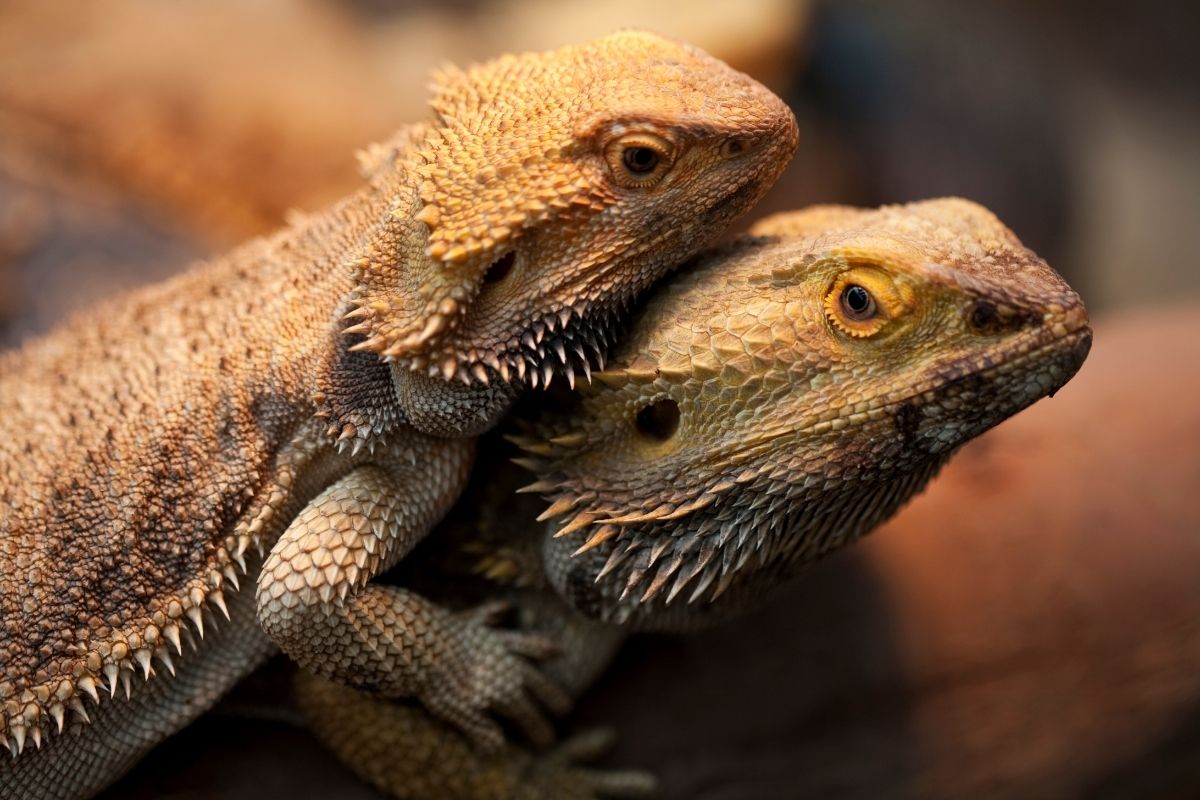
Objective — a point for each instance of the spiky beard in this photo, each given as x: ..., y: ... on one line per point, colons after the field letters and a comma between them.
x: 741, y: 546
x: 567, y: 344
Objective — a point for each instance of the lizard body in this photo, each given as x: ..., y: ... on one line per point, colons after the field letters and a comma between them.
x: 314, y: 393
x: 773, y: 402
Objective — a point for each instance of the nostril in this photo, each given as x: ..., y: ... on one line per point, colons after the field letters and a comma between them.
x: 990, y: 319
x: 1077, y: 318
x: 733, y: 147
x: 500, y: 268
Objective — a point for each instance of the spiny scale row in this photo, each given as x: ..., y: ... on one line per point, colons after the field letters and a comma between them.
x: 530, y: 360
x: 774, y: 525
x: 701, y: 562
x: 697, y: 549
x: 353, y: 437
x: 29, y: 715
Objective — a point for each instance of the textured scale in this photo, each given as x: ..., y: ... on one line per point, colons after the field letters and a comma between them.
x: 151, y: 448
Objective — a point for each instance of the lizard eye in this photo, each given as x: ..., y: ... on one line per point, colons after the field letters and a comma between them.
x: 659, y: 420
x: 639, y: 160
x: 857, y: 303
x: 863, y: 301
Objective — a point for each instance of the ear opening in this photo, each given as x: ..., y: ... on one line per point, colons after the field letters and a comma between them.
x: 659, y: 420
x: 500, y: 268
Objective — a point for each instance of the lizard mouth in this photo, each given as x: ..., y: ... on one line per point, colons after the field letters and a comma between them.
x: 1071, y: 347
x: 565, y: 345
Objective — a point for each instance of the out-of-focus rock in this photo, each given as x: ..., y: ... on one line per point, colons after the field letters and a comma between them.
x: 221, y: 114
x: 21, y: 224
x: 760, y: 37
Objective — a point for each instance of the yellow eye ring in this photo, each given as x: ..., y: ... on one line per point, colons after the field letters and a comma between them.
x: 860, y: 302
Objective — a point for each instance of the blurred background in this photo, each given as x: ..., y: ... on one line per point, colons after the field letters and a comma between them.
x: 1029, y: 627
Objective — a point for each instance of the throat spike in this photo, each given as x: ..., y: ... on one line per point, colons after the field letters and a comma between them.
x: 142, y: 656
x: 197, y: 617
x: 87, y: 684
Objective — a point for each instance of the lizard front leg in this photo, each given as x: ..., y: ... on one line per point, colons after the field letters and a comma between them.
x: 409, y: 754
x: 315, y: 600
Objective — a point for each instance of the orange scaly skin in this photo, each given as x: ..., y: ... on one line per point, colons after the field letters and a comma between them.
x: 749, y: 424
x: 312, y: 395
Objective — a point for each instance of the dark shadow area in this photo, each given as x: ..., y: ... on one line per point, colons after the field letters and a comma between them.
x: 1170, y: 768
x: 782, y: 703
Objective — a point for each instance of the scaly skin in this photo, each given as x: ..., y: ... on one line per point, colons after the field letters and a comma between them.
x: 749, y: 424
x: 312, y: 394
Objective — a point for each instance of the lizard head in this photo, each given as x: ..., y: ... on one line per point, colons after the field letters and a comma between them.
x: 786, y: 394
x: 551, y: 189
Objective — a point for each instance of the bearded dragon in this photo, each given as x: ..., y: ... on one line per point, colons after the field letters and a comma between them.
x: 313, y: 394
x: 771, y: 404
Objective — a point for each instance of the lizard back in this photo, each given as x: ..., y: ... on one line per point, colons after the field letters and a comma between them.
x: 137, y: 440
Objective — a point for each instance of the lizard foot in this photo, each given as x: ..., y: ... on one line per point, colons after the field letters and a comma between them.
x: 499, y: 675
